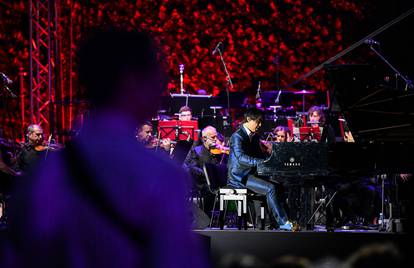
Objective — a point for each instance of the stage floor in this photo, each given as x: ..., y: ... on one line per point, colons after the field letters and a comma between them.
x: 314, y: 245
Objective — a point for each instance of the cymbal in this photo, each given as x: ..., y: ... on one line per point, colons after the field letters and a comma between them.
x: 305, y: 92
x: 273, y: 107
x: 313, y: 123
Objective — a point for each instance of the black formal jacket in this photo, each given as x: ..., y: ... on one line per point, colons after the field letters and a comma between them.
x: 195, y: 160
x: 245, y: 155
x: 28, y: 158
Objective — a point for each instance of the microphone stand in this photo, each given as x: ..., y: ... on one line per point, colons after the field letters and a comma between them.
x: 408, y: 82
x: 228, y: 78
x: 6, y: 82
x: 352, y: 47
x: 6, y: 88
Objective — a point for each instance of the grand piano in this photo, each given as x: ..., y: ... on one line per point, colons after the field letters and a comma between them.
x: 381, y: 119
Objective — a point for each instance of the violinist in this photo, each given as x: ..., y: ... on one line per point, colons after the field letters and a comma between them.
x: 33, y: 150
x: 144, y: 135
x: 211, y: 151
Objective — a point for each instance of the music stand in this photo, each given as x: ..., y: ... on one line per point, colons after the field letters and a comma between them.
x: 310, y: 134
x: 178, y: 130
x: 198, y: 103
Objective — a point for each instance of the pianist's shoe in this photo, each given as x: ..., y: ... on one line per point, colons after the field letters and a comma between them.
x: 288, y: 226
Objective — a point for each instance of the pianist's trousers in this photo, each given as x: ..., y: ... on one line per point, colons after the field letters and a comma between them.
x: 268, y: 189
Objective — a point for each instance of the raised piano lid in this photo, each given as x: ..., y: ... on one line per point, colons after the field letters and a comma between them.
x: 374, y: 111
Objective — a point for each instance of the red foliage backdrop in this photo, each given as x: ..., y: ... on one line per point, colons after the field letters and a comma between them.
x: 262, y: 40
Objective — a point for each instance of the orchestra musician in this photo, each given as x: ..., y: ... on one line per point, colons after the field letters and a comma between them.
x: 144, y: 135
x: 246, y: 153
x: 282, y: 134
x: 211, y: 151
x: 185, y: 113
x: 33, y: 150
x: 316, y: 119
x: 182, y: 147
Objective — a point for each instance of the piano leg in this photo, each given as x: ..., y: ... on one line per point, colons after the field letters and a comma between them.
x: 294, y: 202
x: 329, y: 212
x: 307, y: 201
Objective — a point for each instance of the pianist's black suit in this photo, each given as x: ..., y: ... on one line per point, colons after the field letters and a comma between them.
x: 245, y: 155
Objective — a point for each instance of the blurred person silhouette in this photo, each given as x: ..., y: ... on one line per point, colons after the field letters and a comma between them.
x: 107, y: 201
x: 290, y: 261
x: 240, y: 260
x: 373, y: 255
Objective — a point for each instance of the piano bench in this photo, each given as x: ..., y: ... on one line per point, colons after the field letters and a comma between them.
x: 239, y: 196
x: 242, y: 197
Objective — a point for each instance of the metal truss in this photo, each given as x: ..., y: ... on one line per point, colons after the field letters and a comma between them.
x: 51, y: 67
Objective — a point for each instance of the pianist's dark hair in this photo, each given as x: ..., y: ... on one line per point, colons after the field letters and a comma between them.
x: 253, y: 113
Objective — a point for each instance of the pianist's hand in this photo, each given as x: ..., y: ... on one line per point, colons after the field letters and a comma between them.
x: 348, y: 137
x: 266, y: 146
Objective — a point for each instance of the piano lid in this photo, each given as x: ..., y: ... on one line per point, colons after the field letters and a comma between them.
x: 374, y: 110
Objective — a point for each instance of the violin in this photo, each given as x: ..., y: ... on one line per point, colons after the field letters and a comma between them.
x: 220, y: 150
x: 166, y: 144
x: 51, y: 147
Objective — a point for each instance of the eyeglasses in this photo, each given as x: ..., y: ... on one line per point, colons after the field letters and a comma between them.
x: 214, y: 137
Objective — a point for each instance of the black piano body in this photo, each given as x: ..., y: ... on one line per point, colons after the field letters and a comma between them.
x: 290, y: 161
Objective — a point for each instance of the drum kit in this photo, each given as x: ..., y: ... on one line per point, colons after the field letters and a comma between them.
x: 277, y: 106
x: 289, y: 116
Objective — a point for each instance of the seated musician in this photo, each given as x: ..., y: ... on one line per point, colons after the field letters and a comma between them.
x: 211, y: 151
x: 316, y: 119
x: 32, y: 151
x: 183, y: 146
x: 351, y: 196
x: 246, y: 154
x: 185, y: 113
x: 144, y: 135
x: 282, y: 134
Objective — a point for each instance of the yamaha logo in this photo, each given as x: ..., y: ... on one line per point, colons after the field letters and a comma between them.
x: 292, y: 163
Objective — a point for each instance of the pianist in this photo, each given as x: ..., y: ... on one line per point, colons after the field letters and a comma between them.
x: 245, y: 155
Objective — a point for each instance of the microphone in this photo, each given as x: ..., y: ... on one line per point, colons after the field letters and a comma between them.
x: 278, y: 97
x: 371, y: 42
x: 258, y: 91
x: 217, y: 48
x: 6, y: 79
